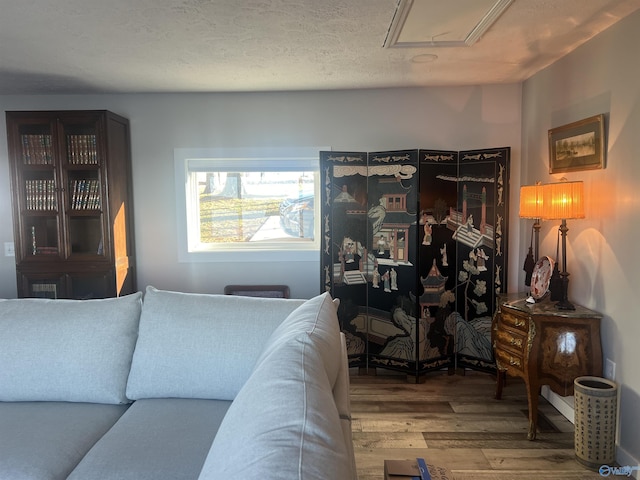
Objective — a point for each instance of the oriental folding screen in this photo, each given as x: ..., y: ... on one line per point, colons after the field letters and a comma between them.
x: 414, y: 244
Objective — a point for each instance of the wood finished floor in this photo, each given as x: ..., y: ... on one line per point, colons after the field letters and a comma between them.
x: 455, y: 421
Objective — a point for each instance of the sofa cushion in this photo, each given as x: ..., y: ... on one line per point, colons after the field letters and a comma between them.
x: 200, y: 346
x: 46, y: 440
x: 67, y: 350
x: 283, y: 421
x: 156, y: 439
x: 295, y: 429
x: 317, y: 317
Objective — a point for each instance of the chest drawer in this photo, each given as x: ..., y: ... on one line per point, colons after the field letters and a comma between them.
x: 506, y: 360
x: 509, y: 339
x: 517, y: 322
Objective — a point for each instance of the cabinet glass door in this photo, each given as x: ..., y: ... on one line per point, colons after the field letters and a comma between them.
x: 38, y: 191
x: 82, y: 174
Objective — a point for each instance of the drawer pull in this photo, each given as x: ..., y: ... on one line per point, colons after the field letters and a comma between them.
x: 514, y: 362
x: 516, y: 341
x: 519, y: 322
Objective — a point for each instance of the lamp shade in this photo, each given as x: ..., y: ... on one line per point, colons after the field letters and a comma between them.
x: 531, y: 201
x: 562, y: 200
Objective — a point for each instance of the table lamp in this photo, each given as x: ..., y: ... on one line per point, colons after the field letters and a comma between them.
x: 531, y: 207
x: 562, y: 201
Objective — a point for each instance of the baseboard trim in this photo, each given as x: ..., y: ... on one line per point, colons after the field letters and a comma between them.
x: 625, y: 459
x: 563, y: 404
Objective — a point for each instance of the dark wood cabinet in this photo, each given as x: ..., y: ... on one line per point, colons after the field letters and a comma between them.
x: 545, y: 346
x: 72, y: 210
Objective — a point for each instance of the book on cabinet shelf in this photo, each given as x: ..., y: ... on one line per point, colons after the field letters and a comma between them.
x: 82, y: 149
x: 41, y: 194
x: 85, y: 194
x: 36, y: 149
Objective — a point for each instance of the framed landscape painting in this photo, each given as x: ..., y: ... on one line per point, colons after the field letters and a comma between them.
x: 577, y: 146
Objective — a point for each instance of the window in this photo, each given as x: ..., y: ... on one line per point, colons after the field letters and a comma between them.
x: 247, y: 204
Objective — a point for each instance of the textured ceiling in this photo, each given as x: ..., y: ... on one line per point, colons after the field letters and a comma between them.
x: 96, y: 46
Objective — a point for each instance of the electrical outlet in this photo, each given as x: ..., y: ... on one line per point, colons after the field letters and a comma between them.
x: 610, y: 369
x: 9, y: 249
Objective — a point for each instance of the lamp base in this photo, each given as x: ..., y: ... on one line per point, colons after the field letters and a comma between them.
x: 565, y: 305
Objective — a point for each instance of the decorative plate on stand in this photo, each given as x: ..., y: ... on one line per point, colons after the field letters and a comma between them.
x: 541, y: 277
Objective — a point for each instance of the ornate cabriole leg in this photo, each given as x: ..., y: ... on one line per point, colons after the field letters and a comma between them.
x: 501, y: 377
x: 533, y: 391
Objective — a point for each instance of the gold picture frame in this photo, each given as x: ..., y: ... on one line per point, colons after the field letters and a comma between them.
x: 577, y: 146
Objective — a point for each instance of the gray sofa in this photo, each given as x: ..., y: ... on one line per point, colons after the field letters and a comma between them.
x: 173, y: 386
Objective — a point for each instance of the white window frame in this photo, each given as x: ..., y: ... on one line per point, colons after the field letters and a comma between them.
x: 187, y: 160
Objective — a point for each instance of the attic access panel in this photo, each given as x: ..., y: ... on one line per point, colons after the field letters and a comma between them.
x: 433, y: 23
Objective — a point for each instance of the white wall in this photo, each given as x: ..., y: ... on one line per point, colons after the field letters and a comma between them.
x: 365, y: 120
x: 603, y: 76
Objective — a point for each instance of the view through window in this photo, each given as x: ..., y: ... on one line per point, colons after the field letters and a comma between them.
x: 255, y: 206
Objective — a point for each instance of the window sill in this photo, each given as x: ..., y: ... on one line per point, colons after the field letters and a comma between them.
x: 235, y: 256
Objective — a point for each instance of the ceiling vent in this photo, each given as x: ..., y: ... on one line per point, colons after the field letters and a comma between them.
x: 437, y: 23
